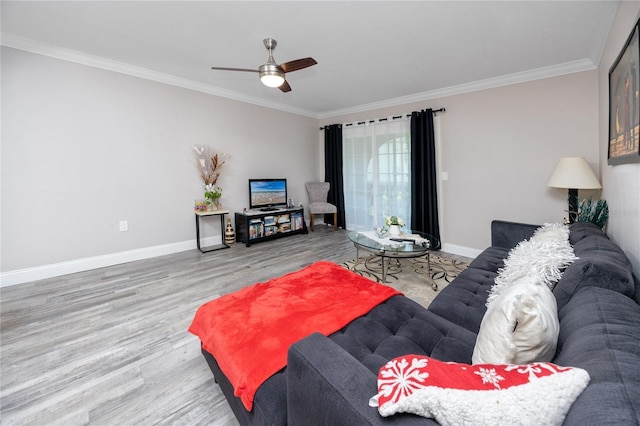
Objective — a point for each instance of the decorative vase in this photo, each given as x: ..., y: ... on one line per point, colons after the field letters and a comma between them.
x: 229, y: 235
x: 394, y: 230
x: 212, y: 204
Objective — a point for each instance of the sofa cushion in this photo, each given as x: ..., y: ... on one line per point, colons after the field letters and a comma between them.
x: 600, y: 332
x: 400, y: 326
x: 464, y: 303
x: 520, y: 326
x: 491, y: 259
x: 580, y: 230
x: 328, y: 386
x: 601, y: 264
x: 506, y: 235
x: 601, y: 246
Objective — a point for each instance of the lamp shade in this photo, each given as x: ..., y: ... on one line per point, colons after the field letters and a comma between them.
x: 575, y: 173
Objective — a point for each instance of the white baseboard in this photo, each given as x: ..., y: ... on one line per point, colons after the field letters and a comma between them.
x: 461, y: 250
x: 20, y: 276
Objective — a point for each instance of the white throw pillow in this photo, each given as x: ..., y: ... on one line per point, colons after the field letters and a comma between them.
x: 520, y: 326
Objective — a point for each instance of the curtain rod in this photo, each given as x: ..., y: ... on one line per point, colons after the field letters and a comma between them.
x: 395, y: 117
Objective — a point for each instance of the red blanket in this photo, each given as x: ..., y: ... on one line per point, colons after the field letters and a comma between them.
x: 249, y: 332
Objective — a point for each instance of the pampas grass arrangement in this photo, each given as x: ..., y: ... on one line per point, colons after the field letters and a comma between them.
x: 208, y: 164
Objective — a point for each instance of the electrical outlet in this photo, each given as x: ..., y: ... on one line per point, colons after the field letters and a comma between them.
x: 124, y: 225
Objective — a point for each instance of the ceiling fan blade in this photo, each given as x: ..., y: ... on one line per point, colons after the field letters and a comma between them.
x: 233, y: 69
x: 285, y: 87
x: 298, y: 64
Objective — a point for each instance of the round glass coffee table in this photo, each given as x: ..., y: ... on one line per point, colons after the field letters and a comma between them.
x: 406, y: 245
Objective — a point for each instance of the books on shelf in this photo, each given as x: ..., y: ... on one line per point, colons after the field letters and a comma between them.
x: 256, y: 230
x: 297, y: 221
x: 285, y: 227
x: 270, y: 230
x: 283, y: 218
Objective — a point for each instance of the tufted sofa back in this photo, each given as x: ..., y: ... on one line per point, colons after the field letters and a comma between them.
x: 601, y: 263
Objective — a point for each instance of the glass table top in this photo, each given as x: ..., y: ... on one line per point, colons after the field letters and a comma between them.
x: 407, y: 244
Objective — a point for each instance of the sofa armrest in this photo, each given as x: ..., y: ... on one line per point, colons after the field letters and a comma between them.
x: 325, y: 383
x: 507, y: 235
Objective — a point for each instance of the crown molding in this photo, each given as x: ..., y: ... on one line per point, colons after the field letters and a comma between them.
x: 490, y: 83
x: 16, y: 42
x: 32, y: 46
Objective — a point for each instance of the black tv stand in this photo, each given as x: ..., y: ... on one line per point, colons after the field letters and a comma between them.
x: 268, y: 209
x: 255, y: 226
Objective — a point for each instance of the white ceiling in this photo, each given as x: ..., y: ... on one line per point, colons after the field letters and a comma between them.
x: 370, y: 54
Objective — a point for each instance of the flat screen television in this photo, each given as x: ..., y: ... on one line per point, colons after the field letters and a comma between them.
x: 267, y: 194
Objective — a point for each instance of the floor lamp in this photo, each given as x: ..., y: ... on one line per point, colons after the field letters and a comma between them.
x: 573, y: 173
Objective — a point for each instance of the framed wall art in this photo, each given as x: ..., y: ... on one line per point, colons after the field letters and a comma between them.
x: 624, y: 106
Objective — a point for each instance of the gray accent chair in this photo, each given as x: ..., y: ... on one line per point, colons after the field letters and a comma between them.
x: 317, y: 192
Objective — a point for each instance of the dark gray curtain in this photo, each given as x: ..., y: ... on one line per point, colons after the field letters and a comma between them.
x: 333, y: 171
x: 424, y: 194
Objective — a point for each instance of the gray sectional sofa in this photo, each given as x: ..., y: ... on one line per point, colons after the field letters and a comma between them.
x: 329, y: 380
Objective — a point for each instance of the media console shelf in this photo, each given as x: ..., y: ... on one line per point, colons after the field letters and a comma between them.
x: 255, y: 226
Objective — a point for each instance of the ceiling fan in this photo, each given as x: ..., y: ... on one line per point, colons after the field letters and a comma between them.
x: 272, y: 74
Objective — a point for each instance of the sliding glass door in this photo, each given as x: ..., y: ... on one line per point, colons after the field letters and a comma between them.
x: 377, y: 173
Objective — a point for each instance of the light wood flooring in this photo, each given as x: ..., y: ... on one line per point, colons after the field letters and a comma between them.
x: 111, y: 347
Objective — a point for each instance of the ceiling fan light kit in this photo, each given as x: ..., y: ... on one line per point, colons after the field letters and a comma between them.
x: 272, y: 74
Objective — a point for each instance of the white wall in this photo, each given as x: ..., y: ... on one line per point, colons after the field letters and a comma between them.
x: 83, y: 148
x: 499, y: 147
x: 621, y: 184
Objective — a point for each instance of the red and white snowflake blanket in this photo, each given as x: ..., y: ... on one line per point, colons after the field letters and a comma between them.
x: 490, y: 394
x: 249, y: 332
